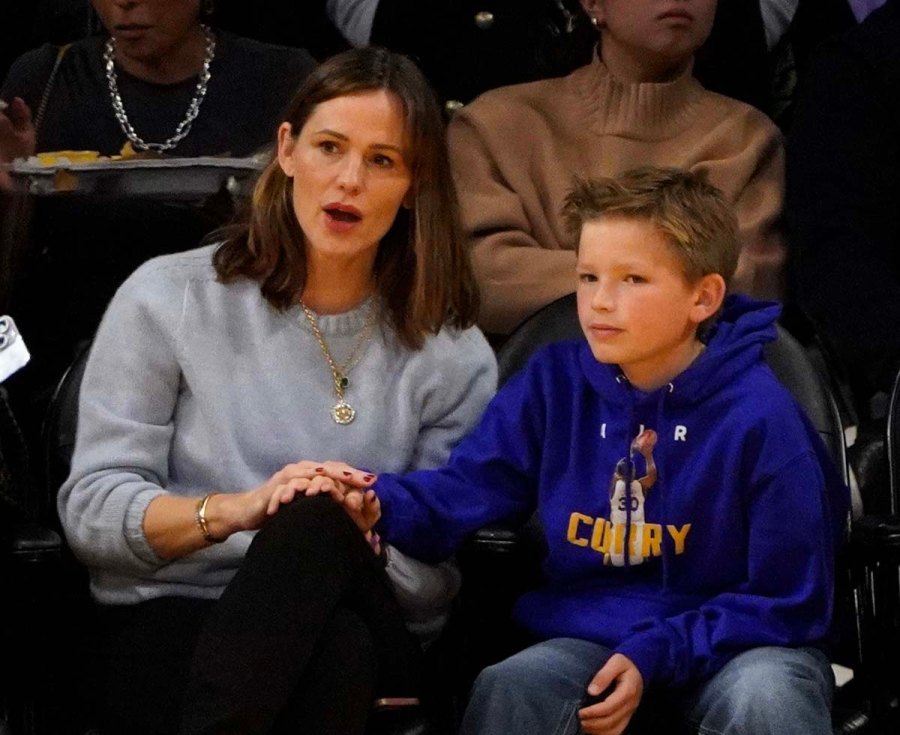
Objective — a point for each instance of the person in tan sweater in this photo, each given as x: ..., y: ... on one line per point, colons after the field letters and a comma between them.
x: 515, y: 151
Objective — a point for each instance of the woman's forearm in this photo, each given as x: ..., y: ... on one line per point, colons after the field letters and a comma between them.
x: 172, y: 528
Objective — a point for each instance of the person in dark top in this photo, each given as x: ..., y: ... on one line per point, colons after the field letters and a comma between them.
x: 843, y: 191
x: 163, y: 82
x: 174, y: 86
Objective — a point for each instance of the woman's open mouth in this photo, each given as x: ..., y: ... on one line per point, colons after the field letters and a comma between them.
x: 341, y: 217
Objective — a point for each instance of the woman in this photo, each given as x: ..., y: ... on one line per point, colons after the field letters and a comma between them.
x: 334, y: 319
x: 160, y: 79
x: 514, y: 152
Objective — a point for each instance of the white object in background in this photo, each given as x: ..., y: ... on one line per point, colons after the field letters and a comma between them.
x: 842, y: 675
x: 13, y: 353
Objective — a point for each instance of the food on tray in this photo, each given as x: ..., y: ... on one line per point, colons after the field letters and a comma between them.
x: 52, y: 158
x: 64, y: 157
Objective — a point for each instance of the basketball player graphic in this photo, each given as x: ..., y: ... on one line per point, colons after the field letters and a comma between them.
x: 620, y: 500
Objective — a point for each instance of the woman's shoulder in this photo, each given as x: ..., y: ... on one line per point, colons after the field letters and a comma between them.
x: 165, y: 274
x: 32, y: 67
x: 454, y: 348
x: 29, y: 73
x: 451, y: 336
x: 746, y: 121
x: 36, y: 58
x: 521, y: 104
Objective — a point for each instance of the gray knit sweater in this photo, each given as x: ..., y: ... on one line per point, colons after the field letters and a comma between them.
x: 193, y: 386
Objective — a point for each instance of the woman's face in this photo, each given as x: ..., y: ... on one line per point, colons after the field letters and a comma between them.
x: 351, y: 171
x: 148, y: 30
x: 661, y: 31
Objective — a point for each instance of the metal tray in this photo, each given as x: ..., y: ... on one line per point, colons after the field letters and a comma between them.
x: 150, y: 177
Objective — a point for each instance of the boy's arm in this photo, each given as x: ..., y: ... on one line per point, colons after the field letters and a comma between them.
x: 786, y: 599
x: 490, y: 476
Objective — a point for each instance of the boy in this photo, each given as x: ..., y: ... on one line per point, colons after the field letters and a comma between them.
x: 690, y: 510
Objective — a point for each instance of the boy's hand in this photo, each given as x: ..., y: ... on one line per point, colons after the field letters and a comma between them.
x: 612, y: 715
x: 364, y: 508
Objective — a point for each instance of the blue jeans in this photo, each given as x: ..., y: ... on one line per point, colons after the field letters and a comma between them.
x: 765, y: 690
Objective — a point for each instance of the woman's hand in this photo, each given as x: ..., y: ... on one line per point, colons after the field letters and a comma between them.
x: 170, y: 521
x: 311, y: 478
x: 17, y: 135
x: 349, y: 478
x: 345, y: 484
x: 612, y: 715
x: 247, y: 511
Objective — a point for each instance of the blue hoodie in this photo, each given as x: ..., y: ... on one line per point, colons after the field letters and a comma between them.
x: 716, y: 484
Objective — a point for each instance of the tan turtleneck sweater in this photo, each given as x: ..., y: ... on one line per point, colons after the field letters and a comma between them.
x: 514, y: 152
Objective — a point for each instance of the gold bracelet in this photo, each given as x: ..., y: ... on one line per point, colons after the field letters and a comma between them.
x: 200, y: 517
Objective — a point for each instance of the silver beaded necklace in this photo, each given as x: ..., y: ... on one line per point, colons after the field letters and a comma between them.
x: 184, y: 127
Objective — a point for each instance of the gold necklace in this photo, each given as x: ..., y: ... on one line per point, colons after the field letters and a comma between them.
x: 342, y: 412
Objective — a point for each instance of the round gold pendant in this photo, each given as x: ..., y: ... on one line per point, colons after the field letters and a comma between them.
x: 343, y: 412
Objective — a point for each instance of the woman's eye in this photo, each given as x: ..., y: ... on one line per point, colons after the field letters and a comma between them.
x: 633, y: 278
x: 328, y: 146
x: 587, y: 277
x: 382, y: 161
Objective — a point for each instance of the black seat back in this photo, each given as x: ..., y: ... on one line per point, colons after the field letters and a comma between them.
x: 893, y: 447
x: 60, y: 426
x: 556, y: 322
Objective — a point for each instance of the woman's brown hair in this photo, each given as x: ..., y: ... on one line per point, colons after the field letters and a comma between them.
x: 422, y: 269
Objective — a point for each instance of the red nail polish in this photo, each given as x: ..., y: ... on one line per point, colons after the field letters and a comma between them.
x: 320, y: 469
x: 348, y: 474
x: 368, y: 477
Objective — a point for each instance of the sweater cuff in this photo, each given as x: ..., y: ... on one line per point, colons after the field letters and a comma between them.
x: 134, y: 526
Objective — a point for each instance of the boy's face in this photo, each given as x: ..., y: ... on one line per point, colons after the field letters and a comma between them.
x: 636, y: 306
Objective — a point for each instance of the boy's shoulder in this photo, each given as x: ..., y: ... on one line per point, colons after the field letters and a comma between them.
x: 758, y: 403
x: 559, y: 358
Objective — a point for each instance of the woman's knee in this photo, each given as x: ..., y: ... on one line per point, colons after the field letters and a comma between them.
x: 307, y: 520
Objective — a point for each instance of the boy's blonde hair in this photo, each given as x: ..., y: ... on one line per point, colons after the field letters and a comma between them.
x: 692, y: 213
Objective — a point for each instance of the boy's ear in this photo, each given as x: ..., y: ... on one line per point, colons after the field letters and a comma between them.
x: 286, y: 143
x: 709, y: 293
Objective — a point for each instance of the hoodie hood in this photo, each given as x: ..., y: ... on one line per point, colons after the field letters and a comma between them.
x: 733, y: 345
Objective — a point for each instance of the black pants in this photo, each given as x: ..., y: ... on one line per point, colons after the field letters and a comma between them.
x: 307, y: 634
